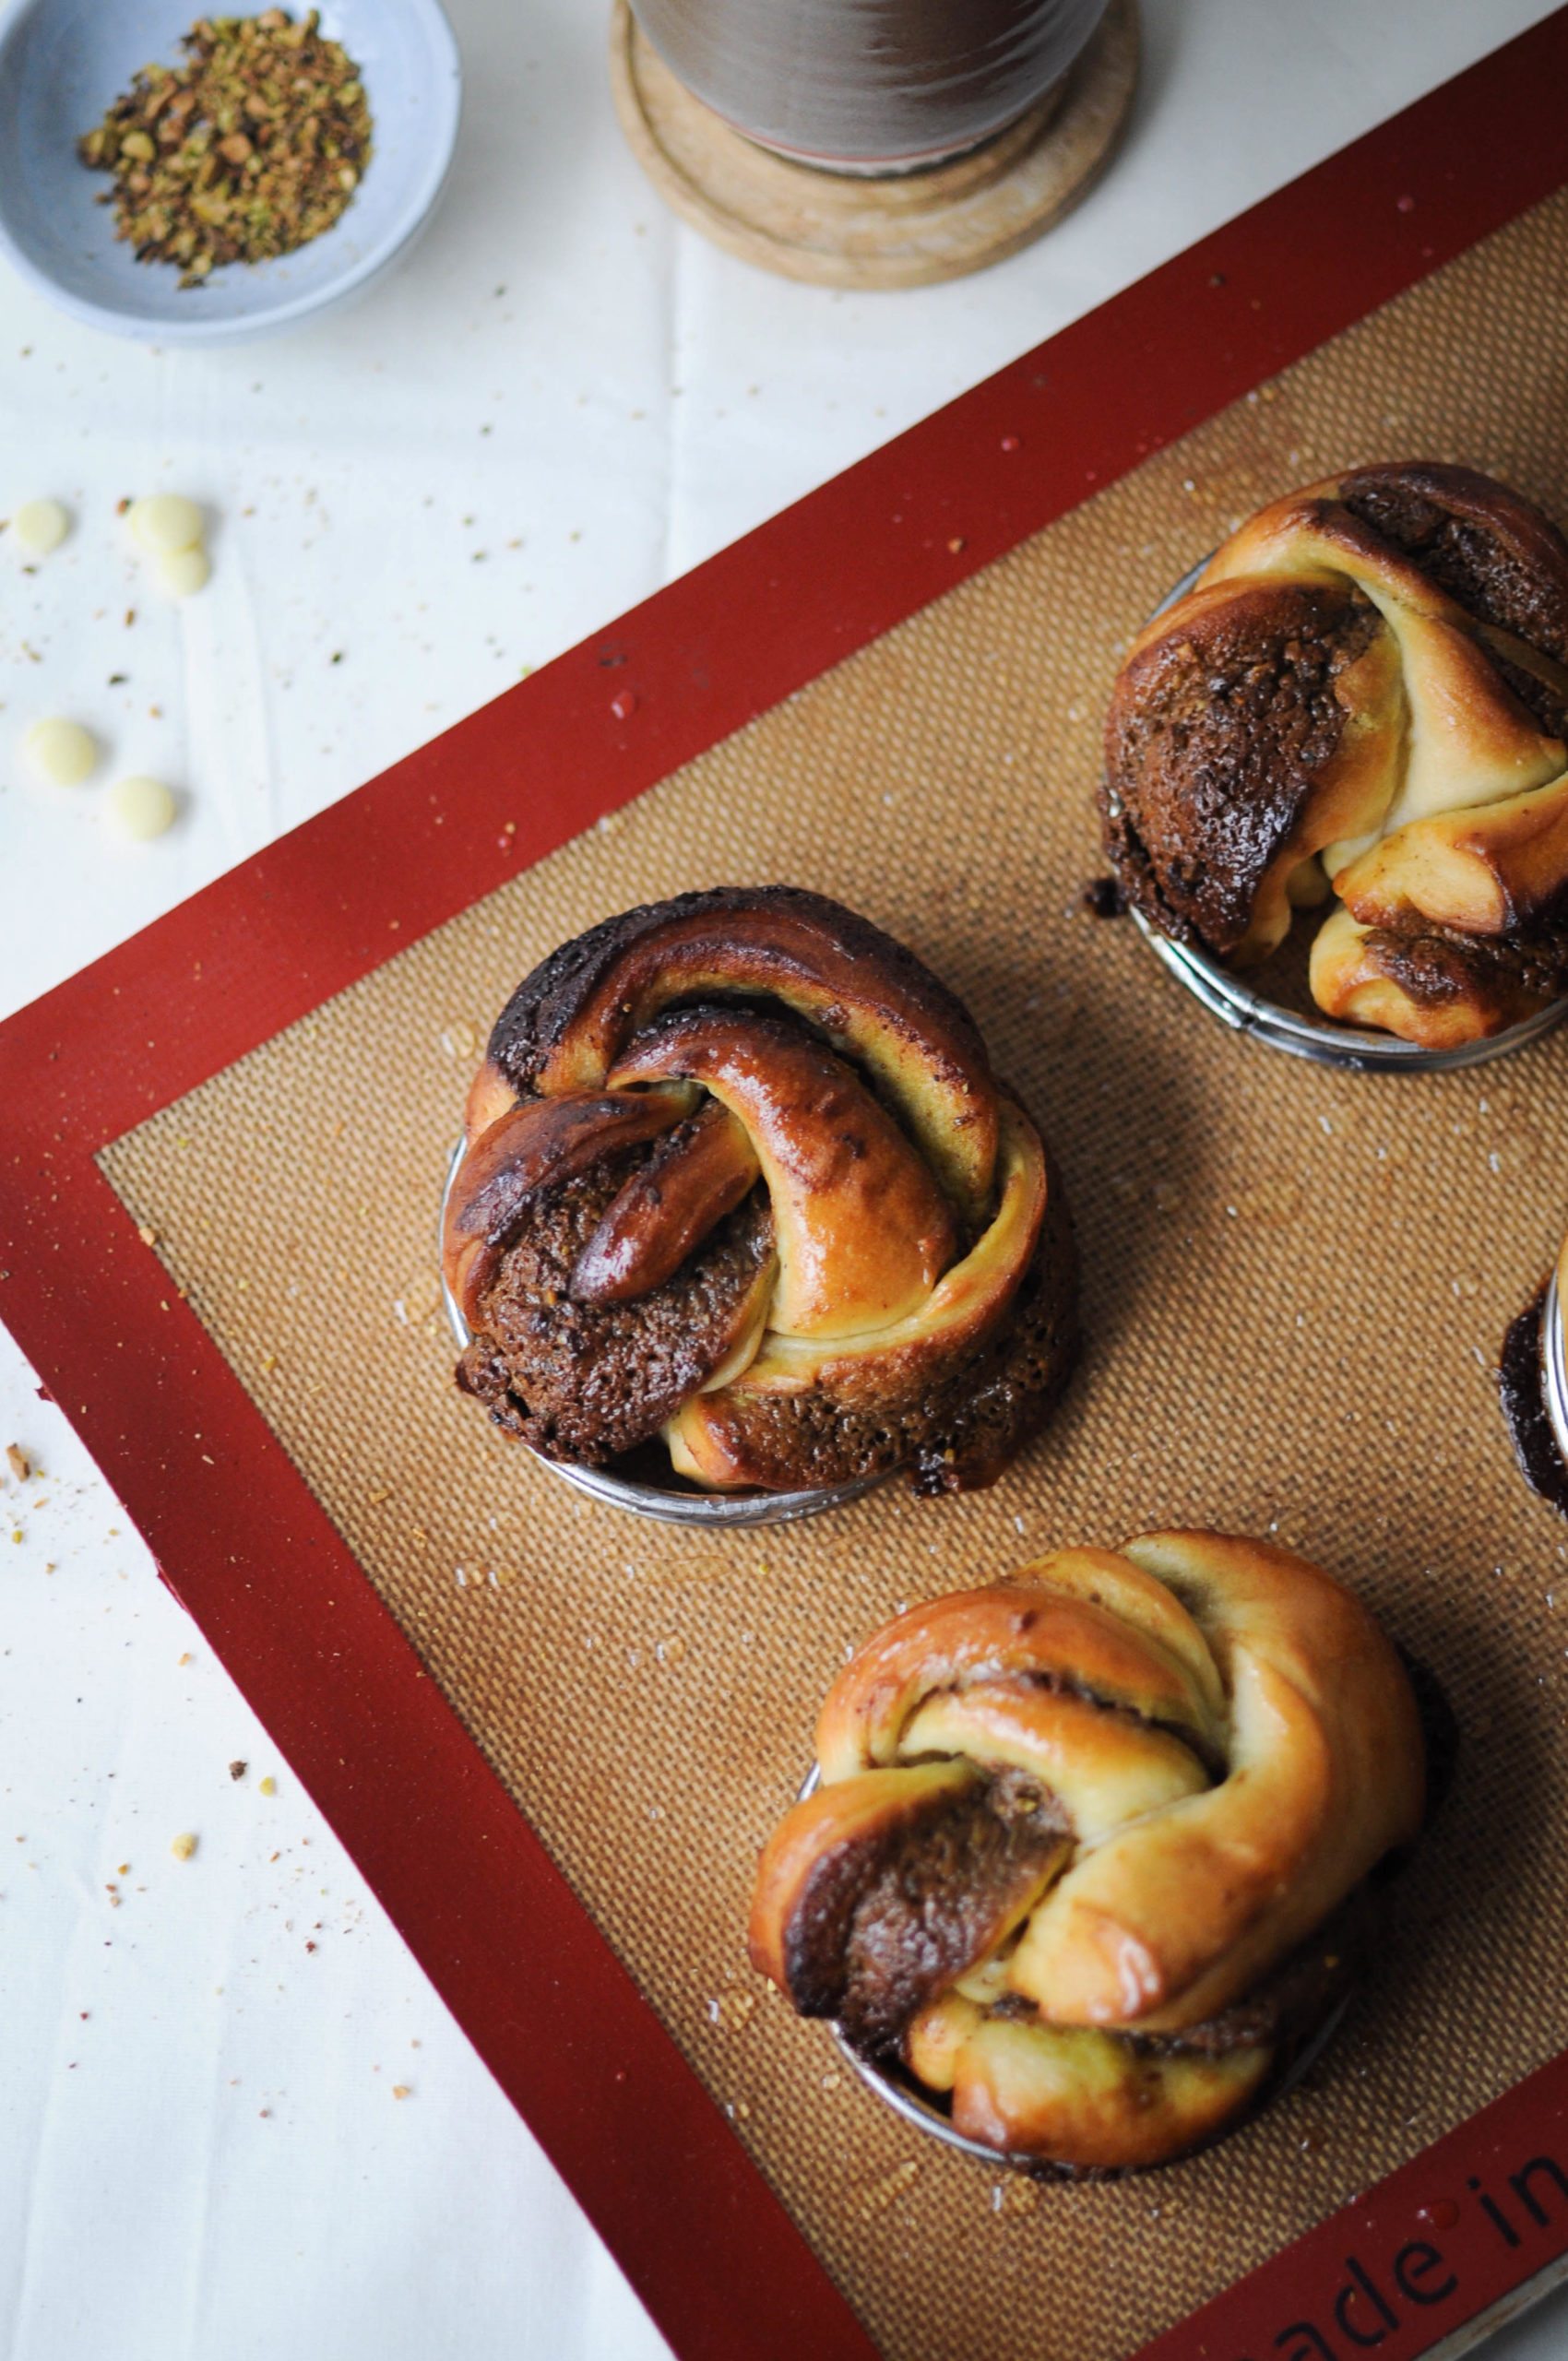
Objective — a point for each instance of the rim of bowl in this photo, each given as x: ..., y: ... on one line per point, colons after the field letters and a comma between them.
x: 666, y: 1503
x: 1318, y: 1039
x: 445, y: 90
x: 897, y: 2089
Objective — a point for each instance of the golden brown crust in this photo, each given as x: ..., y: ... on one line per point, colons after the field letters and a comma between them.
x: 1370, y: 671
x: 1231, y: 1746
x: 869, y: 997
x: 1489, y: 547
x: 909, y: 1380
x: 863, y: 1230
x: 859, y: 1862
x: 1436, y: 987
x: 824, y: 1826
x: 1170, y: 1921
x: 1048, y: 1635
x: 918, y: 1306
x: 952, y: 1396
x: 667, y: 1208
x: 539, y: 1145
x: 1089, y: 2100
x: 1247, y: 729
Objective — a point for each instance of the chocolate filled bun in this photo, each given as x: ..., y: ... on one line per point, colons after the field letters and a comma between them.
x: 1094, y: 1855
x: 738, y: 1176
x: 1364, y: 693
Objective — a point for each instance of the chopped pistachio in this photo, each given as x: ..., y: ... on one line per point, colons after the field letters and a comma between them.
x: 248, y: 149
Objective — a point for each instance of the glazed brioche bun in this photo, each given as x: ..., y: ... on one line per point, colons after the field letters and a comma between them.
x: 739, y: 1179
x: 1086, y: 1847
x: 1366, y: 690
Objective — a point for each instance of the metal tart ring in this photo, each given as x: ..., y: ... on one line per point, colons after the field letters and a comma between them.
x: 671, y: 1504
x: 897, y: 2089
x: 1554, y: 1366
x: 1319, y: 1040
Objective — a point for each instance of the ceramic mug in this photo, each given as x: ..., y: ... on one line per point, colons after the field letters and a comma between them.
x: 869, y: 86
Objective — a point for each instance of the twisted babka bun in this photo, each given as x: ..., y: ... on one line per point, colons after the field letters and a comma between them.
x: 1366, y: 689
x: 738, y: 1174
x: 1090, y: 1852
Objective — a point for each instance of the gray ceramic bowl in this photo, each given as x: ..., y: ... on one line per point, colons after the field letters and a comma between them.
x: 674, y: 1502
x: 64, y: 61
x: 1319, y: 1038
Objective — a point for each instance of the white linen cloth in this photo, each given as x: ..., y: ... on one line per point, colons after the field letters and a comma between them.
x: 563, y: 400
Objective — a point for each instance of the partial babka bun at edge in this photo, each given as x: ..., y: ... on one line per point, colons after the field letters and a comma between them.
x: 1532, y: 1384
x: 1094, y: 1854
x: 738, y: 1178
x: 1368, y: 685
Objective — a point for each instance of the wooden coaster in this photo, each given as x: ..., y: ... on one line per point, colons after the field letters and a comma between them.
x: 910, y: 230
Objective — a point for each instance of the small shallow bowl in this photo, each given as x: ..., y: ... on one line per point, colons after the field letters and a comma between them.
x: 63, y: 62
x: 675, y: 1503
x: 1316, y: 1038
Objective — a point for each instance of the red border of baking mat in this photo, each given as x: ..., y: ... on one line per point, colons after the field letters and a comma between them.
x: 528, y: 1975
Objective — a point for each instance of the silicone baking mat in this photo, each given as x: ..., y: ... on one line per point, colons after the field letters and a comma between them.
x: 1295, y: 1282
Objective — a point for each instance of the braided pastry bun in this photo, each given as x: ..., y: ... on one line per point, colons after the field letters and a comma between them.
x: 738, y: 1174
x: 1366, y: 690
x: 1090, y: 1851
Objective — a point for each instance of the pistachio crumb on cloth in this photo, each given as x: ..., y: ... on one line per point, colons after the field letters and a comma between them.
x: 250, y: 148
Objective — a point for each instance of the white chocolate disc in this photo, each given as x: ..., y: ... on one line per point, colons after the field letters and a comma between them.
x: 139, y: 808
x: 182, y: 572
x: 41, y: 526
x: 61, y: 752
x: 166, y: 523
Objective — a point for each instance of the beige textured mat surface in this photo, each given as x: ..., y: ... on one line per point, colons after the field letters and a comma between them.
x: 1296, y: 1282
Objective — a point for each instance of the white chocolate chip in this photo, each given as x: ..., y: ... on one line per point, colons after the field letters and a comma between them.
x: 41, y: 526
x: 184, y: 1846
x: 140, y: 808
x: 61, y: 752
x: 166, y: 523
x: 182, y: 572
